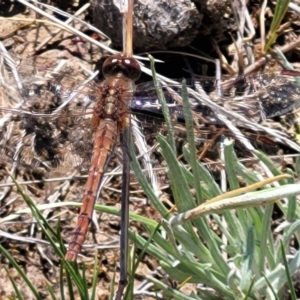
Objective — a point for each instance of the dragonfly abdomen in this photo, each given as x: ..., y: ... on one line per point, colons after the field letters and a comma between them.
x: 105, y: 139
x: 110, y: 116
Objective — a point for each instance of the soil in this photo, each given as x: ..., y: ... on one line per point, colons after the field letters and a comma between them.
x: 22, y: 33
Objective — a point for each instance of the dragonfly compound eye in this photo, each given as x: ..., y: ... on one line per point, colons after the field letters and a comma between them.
x: 120, y: 64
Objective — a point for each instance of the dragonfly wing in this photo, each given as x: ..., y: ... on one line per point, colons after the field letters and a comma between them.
x: 45, y: 123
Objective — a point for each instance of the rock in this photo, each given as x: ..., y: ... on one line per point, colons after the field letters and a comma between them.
x: 158, y: 24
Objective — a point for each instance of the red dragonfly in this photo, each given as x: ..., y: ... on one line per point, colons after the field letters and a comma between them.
x: 110, y: 117
x: 46, y: 133
x: 54, y: 128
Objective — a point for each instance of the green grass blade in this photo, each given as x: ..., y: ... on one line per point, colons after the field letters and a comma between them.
x: 147, y: 188
x: 95, y: 275
x: 274, y: 294
x: 191, y: 143
x: 112, y: 287
x: 164, y: 106
x: 288, y: 276
x: 264, y: 235
x: 231, y: 162
x: 51, y: 292
x: 85, y: 288
x: 280, y: 11
x: 21, y: 272
x: 61, y: 284
x: 247, y: 260
x: 19, y: 296
x: 182, y: 196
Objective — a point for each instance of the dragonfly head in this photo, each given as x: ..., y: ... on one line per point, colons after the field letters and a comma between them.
x: 120, y: 64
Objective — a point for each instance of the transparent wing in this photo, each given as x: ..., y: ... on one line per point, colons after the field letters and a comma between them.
x: 46, y: 112
x: 45, y: 117
x: 256, y: 97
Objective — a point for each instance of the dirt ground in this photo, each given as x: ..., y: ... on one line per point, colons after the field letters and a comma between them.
x: 21, y: 32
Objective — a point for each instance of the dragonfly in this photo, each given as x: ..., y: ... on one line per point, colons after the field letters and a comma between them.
x: 109, y: 118
x: 78, y: 122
